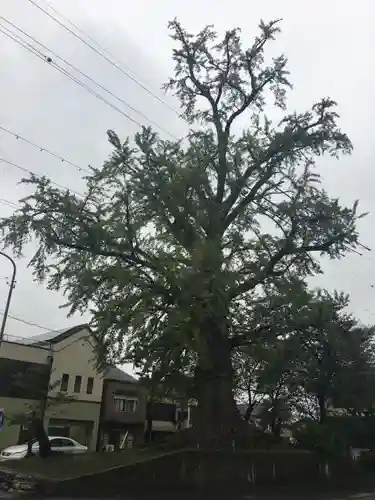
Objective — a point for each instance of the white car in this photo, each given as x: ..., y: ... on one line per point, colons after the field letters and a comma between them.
x: 60, y: 444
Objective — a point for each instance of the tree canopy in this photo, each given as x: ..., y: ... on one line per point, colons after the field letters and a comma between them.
x: 173, y: 243
x: 318, y: 365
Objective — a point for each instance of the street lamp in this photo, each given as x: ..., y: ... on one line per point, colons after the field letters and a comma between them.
x: 12, y: 283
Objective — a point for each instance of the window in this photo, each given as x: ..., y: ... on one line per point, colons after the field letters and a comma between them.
x: 77, y: 383
x: 90, y: 385
x: 61, y: 443
x: 21, y: 379
x: 57, y: 430
x: 125, y: 404
x: 55, y: 443
x: 64, y: 383
x: 66, y: 443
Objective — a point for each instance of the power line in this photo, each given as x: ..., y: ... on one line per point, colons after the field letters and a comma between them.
x: 24, y: 321
x: 265, y: 210
x: 98, y: 52
x: 104, y: 49
x: 44, y: 58
x: 66, y: 73
x: 43, y: 149
x: 9, y: 203
x: 312, y: 213
x: 85, y: 75
x: 23, y: 169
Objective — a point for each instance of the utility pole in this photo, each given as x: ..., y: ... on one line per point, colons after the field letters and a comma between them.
x: 9, y: 298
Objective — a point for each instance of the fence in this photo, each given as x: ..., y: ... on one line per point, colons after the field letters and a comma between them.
x: 224, y: 472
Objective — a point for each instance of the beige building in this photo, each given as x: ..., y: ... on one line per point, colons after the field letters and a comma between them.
x: 65, y: 363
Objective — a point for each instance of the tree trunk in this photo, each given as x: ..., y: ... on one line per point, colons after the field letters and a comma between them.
x: 322, y: 408
x: 218, y: 423
x: 149, y: 419
x: 29, y: 443
x: 276, y: 426
x: 41, y: 436
x: 250, y: 405
x: 249, y: 411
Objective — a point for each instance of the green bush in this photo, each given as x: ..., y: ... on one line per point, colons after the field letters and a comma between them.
x: 323, y: 439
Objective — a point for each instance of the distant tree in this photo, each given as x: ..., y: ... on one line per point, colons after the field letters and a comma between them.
x: 325, y: 440
x: 266, y: 370
x: 354, y: 391
x: 324, y: 348
x: 170, y: 239
x: 319, y: 357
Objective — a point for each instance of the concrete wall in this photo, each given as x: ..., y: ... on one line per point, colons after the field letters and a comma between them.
x: 14, y: 350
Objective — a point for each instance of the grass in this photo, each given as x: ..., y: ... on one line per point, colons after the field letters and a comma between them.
x: 67, y: 466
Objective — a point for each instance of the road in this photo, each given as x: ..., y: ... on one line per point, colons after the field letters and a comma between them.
x: 357, y: 496
x: 351, y: 496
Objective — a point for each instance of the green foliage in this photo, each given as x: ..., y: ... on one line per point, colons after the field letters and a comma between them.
x: 358, y: 431
x: 168, y: 248
x: 318, y: 358
x: 323, y: 439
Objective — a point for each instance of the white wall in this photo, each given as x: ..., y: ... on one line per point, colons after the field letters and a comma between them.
x: 13, y: 350
x: 76, y: 356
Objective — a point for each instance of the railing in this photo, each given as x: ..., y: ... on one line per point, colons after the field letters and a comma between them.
x: 27, y: 341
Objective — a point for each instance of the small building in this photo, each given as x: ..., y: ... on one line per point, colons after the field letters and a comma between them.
x: 24, y: 376
x: 74, y: 374
x: 167, y: 418
x: 68, y: 385
x: 123, y: 412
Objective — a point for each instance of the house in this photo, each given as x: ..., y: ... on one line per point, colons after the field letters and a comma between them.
x: 123, y: 410
x: 20, y: 361
x: 74, y: 373
x: 167, y: 418
x: 58, y: 372
x: 65, y: 362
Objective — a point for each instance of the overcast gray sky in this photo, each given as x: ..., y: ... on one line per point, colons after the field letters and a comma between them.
x: 330, y: 49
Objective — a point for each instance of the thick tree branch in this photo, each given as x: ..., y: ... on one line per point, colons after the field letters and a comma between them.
x: 283, y: 145
x: 130, y: 258
x: 222, y: 136
x: 286, y: 250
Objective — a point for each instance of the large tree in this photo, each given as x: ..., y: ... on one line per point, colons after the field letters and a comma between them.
x: 172, y: 239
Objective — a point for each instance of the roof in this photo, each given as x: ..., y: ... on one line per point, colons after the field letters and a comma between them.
x: 114, y: 373
x: 53, y: 337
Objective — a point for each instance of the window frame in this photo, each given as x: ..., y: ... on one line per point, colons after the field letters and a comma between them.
x: 64, y: 382
x: 67, y: 440
x: 55, y: 440
x: 77, y: 384
x: 90, y: 385
x: 120, y: 403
